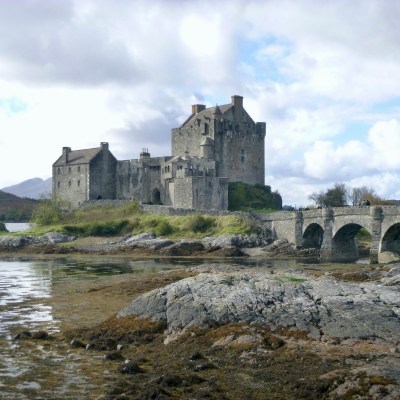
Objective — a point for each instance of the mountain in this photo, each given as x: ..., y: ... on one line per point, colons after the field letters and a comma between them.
x: 32, y: 188
x: 15, y: 209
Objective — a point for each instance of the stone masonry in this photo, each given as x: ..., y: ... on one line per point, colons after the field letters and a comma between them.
x: 213, y: 146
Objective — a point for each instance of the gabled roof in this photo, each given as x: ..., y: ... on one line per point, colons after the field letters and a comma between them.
x: 209, y: 112
x: 79, y: 157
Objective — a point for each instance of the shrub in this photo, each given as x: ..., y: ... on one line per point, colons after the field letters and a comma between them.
x: 241, y: 196
x: 47, y: 212
x: 163, y: 228
x: 98, y: 228
x: 200, y: 223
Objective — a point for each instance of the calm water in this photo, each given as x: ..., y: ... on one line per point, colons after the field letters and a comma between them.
x: 24, y: 288
x: 17, y: 226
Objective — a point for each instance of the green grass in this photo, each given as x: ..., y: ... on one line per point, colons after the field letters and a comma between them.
x: 295, y: 279
x: 128, y: 219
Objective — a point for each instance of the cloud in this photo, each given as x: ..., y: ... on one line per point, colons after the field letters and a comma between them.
x: 85, y: 71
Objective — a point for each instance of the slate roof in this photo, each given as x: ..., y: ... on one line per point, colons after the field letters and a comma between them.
x: 79, y: 157
x: 208, y: 112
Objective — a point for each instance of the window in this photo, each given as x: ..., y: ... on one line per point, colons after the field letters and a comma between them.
x: 69, y: 170
x: 58, y: 185
x: 242, y: 159
x: 69, y: 183
x: 79, y: 183
x: 58, y: 170
x: 79, y: 169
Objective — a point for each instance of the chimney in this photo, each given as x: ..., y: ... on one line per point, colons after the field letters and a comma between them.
x: 65, y: 152
x: 196, y: 108
x: 104, y: 145
x: 237, y: 102
x: 144, y: 154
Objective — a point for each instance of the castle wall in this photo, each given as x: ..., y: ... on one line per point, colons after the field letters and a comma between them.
x: 239, y: 149
x: 71, y: 184
x: 197, y: 192
x: 102, y: 175
x: 141, y: 179
x: 239, y: 142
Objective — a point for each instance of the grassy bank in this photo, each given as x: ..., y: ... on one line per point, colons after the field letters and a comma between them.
x: 129, y: 219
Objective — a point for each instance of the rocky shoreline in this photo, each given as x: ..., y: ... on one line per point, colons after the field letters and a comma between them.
x: 150, y: 244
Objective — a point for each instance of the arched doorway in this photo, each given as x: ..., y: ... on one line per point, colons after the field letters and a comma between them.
x: 156, y: 197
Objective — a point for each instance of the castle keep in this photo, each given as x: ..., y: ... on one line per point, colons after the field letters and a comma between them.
x: 213, y: 146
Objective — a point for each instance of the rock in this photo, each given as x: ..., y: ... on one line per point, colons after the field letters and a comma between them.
x: 240, y: 241
x: 184, y: 248
x: 22, y: 335
x: 12, y: 242
x: 230, y: 251
x: 41, y: 335
x: 130, y: 367
x: 203, y: 367
x: 55, y: 237
x: 112, y: 356
x: 3, y: 227
x: 77, y: 343
x: 319, y: 306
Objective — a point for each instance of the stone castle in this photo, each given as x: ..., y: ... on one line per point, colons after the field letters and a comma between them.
x: 213, y: 146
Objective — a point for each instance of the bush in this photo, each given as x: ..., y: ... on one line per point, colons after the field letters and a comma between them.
x: 163, y: 228
x: 200, y: 223
x: 242, y: 196
x: 98, y: 228
x: 47, y: 212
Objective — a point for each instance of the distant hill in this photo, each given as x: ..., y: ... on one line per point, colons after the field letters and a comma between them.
x: 15, y: 209
x: 32, y: 188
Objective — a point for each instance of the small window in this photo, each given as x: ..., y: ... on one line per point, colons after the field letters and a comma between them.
x: 79, y: 183
x: 69, y: 170
x: 79, y: 169
x: 58, y: 185
x: 69, y: 183
x: 242, y: 159
x: 58, y: 170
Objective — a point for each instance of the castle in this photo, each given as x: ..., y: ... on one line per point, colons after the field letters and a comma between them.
x: 213, y: 146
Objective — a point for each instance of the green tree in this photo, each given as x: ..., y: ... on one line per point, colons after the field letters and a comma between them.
x: 47, y: 212
x: 335, y: 196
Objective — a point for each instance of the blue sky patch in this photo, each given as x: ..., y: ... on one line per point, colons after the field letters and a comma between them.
x: 13, y: 105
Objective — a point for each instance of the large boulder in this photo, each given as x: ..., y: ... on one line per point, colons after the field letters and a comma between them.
x: 320, y: 306
x: 240, y: 241
x: 184, y: 248
x: 3, y: 227
x: 12, y: 242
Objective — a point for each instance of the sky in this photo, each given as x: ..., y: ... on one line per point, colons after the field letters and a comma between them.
x: 323, y: 75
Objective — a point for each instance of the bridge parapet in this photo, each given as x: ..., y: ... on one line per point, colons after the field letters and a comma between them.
x: 334, y: 229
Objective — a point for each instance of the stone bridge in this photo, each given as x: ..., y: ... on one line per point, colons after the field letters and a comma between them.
x: 334, y: 231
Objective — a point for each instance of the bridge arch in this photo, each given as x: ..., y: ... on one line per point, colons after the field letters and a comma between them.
x: 313, y: 236
x: 344, y: 242
x: 391, y: 239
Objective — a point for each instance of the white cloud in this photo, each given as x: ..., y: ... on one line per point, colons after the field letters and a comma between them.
x: 91, y: 71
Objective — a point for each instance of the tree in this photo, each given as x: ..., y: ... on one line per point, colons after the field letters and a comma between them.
x: 335, y: 196
x: 48, y: 211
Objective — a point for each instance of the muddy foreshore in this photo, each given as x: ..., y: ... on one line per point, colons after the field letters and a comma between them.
x: 216, y: 348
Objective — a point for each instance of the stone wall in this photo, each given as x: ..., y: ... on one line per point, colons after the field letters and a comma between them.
x: 71, y: 184
x: 102, y: 176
